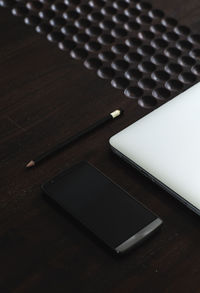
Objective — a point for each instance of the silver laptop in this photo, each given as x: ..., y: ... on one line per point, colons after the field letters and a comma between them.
x: 165, y: 146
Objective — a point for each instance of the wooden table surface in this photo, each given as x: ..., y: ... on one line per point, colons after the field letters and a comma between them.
x: 46, y: 96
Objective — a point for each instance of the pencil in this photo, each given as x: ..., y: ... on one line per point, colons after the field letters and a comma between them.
x: 73, y: 138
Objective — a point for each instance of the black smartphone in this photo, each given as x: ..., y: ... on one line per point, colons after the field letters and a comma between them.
x: 102, y: 206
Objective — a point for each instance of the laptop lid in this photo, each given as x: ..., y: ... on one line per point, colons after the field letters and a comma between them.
x: 166, y: 144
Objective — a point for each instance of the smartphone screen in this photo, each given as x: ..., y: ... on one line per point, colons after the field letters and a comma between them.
x: 102, y: 206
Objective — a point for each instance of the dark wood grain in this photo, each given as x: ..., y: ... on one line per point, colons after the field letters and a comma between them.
x: 45, y: 97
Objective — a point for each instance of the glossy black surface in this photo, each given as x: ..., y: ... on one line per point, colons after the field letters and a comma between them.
x: 99, y: 204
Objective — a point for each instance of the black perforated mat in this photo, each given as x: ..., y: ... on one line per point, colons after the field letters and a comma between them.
x: 140, y: 50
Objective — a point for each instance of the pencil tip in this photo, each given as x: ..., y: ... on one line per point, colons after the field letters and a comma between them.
x: 30, y: 164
